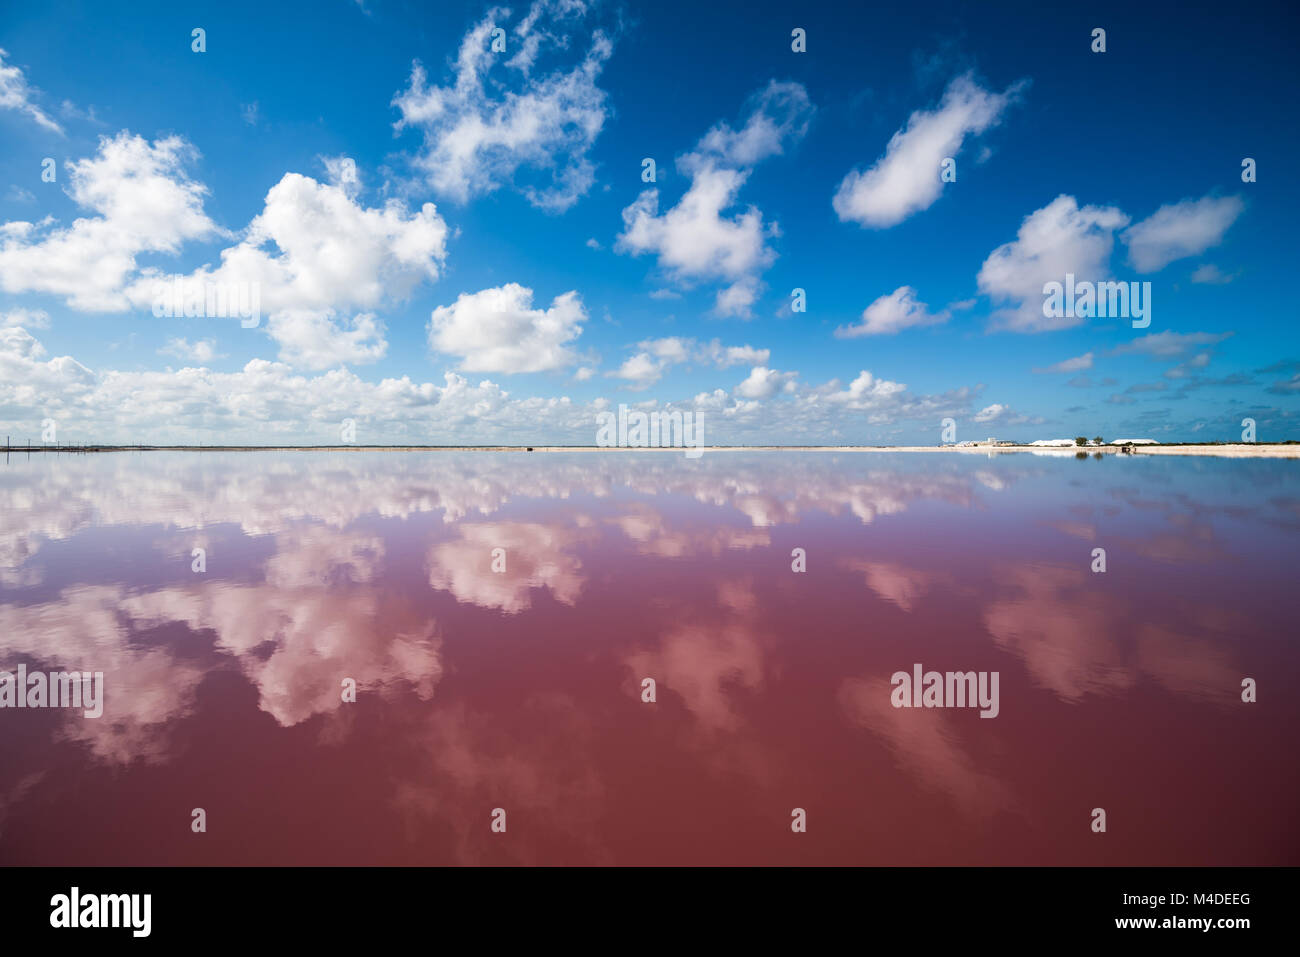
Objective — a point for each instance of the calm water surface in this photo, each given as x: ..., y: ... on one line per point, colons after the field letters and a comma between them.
x: 521, y: 689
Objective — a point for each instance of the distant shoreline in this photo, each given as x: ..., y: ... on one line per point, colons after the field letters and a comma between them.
x: 1236, y: 450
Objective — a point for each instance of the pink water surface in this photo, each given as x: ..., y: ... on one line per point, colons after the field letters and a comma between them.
x: 521, y: 690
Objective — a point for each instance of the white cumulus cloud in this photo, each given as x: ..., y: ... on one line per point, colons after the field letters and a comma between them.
x: 320, y: 340
x: 315, y: 252
x: 15, y: 94
x: 1076, y: 364
x: 726, y: 356
x: 656, y: 355
x: 143, y: 201
x: 906, y: 179
x: 642, y: 370
x: 1060, y: 238
x: 1170, y: 345
x: 1179, y: 230
x: 26, y: 318
x: 868, y: 392
x: 498, y: 330
x: 497, y: 119
x: 1212, y: 275
x: 202, y: 350
x: 699, y: 239
x: 314, y: 247
x: 893, y: 313
x: 763, y: 383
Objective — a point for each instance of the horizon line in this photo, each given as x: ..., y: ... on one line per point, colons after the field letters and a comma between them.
x: 1005, y: 446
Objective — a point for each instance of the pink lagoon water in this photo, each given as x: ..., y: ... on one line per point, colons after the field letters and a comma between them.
x: 522, y: 689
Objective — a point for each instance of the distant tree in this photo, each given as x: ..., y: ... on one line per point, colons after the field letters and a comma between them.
x: 1080, y: 440
x: 1096, y: 440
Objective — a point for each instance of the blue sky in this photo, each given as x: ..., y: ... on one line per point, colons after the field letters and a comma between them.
x: 548, y: 281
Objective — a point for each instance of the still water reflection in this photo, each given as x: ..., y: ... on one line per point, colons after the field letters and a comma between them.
x: 521, y: 687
